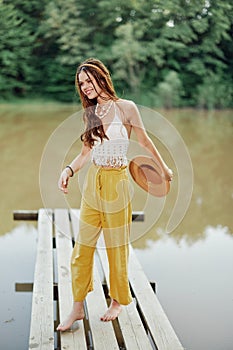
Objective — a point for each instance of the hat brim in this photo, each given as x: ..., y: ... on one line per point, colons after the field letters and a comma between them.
x: 149, y: 176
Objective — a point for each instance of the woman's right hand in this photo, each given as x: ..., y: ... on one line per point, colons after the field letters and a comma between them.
x: 63, y: 181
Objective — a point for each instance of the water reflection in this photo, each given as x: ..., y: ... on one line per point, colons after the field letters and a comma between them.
x: 17, y: 261
x: 24, y: 132
x: 195, y: 287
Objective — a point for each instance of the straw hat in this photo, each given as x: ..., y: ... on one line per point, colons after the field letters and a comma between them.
x: 149, y: 176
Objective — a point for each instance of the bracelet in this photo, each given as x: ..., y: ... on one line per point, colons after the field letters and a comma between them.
x: 72, y: 171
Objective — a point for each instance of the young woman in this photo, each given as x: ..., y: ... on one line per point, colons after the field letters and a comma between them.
x: 105, y: 203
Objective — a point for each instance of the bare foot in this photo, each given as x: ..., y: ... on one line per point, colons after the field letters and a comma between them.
x: 112, y: 312
x: 77, y: 313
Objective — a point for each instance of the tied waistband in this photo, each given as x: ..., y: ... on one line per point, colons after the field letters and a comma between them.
x: 108, y: 168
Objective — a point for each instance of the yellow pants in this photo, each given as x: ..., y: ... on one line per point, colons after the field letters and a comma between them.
x: 105, y: 206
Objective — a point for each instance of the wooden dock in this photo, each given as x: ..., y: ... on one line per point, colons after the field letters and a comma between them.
x: 141, y: 325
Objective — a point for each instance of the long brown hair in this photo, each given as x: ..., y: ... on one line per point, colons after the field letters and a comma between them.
x: 93, y: 125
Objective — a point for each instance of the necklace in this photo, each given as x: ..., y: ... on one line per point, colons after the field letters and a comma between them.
x: 103, y: 110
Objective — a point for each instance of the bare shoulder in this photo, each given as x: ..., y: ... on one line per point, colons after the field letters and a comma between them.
x: 128, y: 108
x: 128, y: 105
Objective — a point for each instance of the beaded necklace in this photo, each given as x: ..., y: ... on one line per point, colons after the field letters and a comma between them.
x: 103, y: 110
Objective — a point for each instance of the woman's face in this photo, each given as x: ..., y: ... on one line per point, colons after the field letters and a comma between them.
x: 88, y: 85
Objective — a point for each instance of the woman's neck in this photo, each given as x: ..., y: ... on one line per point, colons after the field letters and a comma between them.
x: 103, y: 99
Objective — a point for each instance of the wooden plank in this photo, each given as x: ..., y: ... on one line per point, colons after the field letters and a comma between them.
x: 131, y: 326
x: 42, y: 324
x: 138, y: 216
x: 155, y: 318
x: 102, y: 332
x: 69, y: 340
x: 31, y: 215
x: 24, y: 287
x: 42, y: 337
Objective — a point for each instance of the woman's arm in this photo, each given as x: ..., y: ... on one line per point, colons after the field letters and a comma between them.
x: 75, y: 165
x: 144, y: 140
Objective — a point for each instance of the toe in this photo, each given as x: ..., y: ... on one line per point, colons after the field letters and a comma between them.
x: 104, y: 318
x: 60, y: 326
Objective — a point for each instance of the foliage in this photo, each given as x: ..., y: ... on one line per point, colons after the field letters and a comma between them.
x: 169, y: 91
x: 15, y: 52
x: 172, y: 53
x: 214, y: 92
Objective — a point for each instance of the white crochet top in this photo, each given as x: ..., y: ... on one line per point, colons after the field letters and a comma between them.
x: 112, y: 152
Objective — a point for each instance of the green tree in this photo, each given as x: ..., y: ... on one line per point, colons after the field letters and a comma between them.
x: 79, y: 30
x: 42, y: 42
x: 199, y: 26
x: 214, y: 92
x: 15, y: 52
x: 128, y: 53
x: 170, y: 90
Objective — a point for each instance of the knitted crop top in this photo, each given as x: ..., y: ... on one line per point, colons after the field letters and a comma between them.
x: 112, y: 153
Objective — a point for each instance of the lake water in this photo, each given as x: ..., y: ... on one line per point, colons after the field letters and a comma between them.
x: 192, y: 265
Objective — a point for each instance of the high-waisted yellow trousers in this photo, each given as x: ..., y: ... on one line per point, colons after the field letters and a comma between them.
x: 106, y: 206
